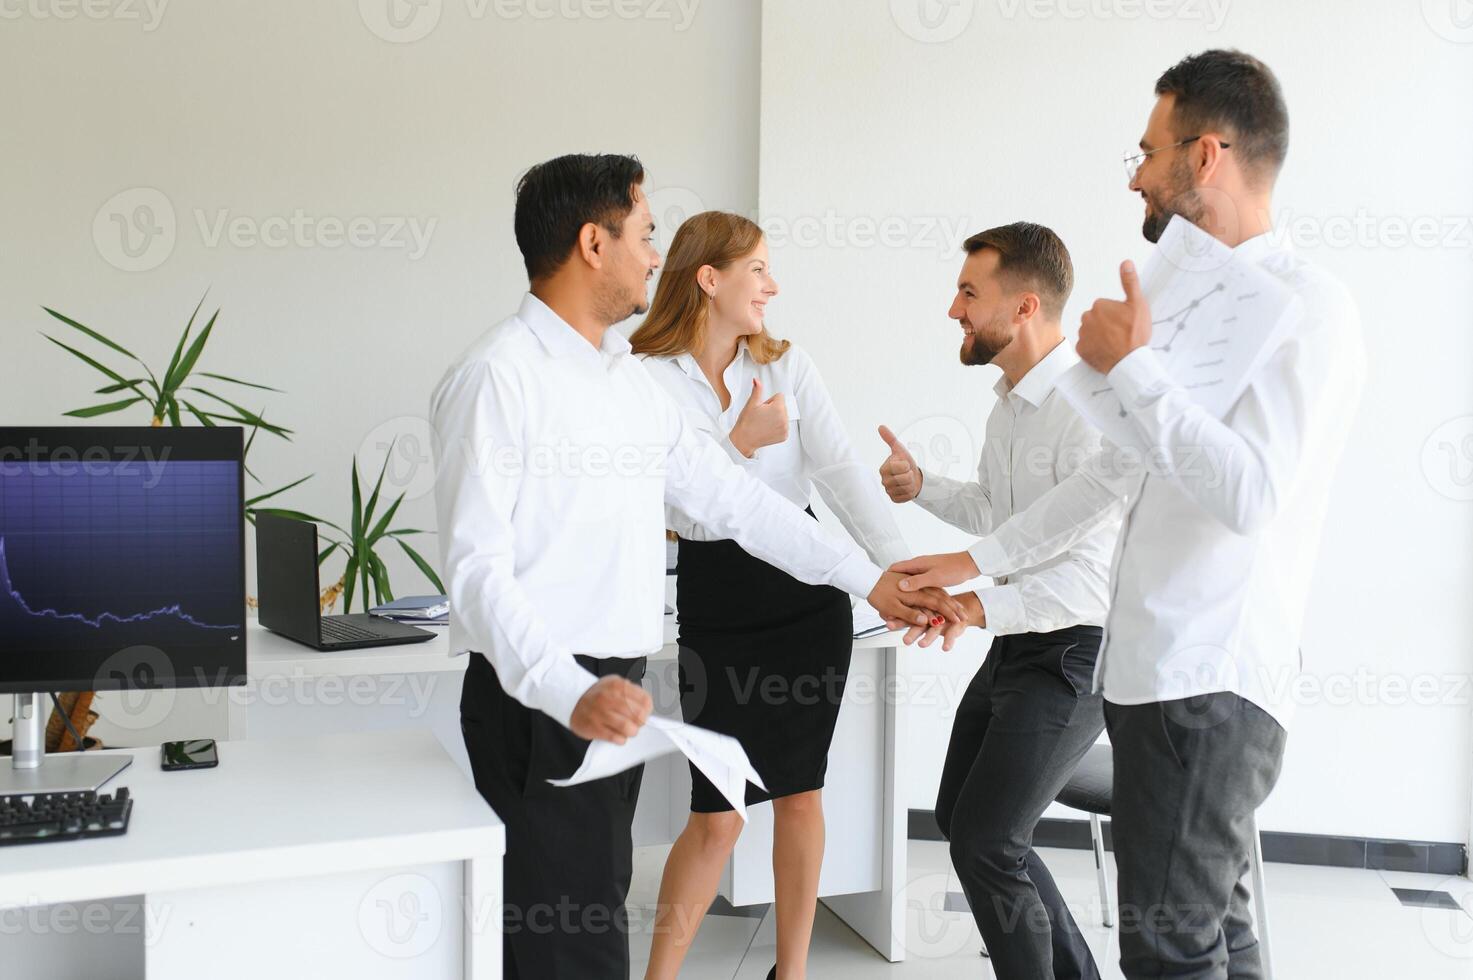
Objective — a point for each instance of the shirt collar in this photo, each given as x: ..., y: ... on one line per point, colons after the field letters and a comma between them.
x: 558, y: 336
x: 687, y: 362
x: 1035, y: 386
x: 1256, y: 248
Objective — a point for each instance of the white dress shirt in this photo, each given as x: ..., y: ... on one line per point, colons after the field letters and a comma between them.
x: 1212, y: 573
x: 1035, y: 440
x: 817, y: 450
x: 555, y: 460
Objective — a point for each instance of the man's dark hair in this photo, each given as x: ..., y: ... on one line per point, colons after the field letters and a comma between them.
x: 1030, y: 255
x: 1237, y: 95
x: 557, y: 198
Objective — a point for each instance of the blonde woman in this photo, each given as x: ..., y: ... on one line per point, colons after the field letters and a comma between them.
x: 763, y: 657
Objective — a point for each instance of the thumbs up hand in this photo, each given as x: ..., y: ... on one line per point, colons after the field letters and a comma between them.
x: 762, y: 423
x: 1111, y: 329
x: 899, y: 472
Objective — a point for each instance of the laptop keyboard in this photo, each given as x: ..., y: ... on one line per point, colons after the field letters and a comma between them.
x: 335, y: 630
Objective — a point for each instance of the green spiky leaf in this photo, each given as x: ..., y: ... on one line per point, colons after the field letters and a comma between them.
x: 181, y: 371
x: 357, y: 523
x: 237, y: 381
x: 110, y: 407
x: 279, y: 490
x: 109, y: 372
x: 383, y: 522
x: 377, y: 486
x: 349, y: 577
x: 169, y: 383
x: 131, y: 383
x: 203, y: 418
x: 243, y: 415
x: 92, y: 333
x: 424, y: 566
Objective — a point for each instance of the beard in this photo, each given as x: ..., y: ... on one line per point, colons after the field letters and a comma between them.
x: 615, y: 305
x: 985, y: 343
x: 1179, y: 197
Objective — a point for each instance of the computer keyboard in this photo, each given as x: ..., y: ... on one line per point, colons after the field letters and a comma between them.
x: 336, y: 629
x: 63, y: 816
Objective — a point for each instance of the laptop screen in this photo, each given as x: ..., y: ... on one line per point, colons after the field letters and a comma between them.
x: 286, y: 576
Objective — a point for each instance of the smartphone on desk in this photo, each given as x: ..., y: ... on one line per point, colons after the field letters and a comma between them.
x: 193, y: 753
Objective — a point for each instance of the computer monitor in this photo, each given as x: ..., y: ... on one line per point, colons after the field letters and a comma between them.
x: 122, y: 567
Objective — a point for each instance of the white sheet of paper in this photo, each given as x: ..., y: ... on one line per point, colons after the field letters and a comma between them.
x: 1216, y: 320
x: 720, y: 757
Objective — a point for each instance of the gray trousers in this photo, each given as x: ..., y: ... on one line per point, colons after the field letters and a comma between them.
x: 1189, y: 775
x: 1021, y: 728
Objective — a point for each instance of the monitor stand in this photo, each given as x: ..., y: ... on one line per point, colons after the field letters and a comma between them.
x: 30, y: 771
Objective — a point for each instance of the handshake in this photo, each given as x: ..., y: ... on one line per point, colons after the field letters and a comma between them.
x: 924, y: 612
x: 911, y: 595
x: 615, y: 709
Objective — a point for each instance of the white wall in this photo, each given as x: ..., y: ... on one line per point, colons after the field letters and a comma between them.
x: 260, y: 109
x: 264, y: 108
x: 1010, y: 109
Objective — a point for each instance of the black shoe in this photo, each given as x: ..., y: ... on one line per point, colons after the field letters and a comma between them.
x: 772, y: 973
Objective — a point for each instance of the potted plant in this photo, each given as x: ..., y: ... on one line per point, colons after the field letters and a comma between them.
x: 365, y: 570
x: 170, y: 396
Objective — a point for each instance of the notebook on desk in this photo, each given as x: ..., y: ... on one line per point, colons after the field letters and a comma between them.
x: 867, y: 621
x: 424, y: 610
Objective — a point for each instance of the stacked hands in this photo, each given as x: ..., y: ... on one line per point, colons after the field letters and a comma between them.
x: 929, y: 575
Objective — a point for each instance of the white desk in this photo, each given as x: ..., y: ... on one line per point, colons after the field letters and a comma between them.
x: 294, y: 690
x: 362, y: 855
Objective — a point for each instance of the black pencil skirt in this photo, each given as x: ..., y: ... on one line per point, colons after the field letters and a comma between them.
x: 764, y: 659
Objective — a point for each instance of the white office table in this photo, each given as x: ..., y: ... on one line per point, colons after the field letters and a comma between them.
x: 296, y: 690
x: 362, y: 855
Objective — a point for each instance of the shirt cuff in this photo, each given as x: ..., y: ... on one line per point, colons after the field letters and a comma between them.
x: 990, y: 557
x: 856, y: 575
x: 1003, y: 606
x: 735, y: 453
x: 932, y: 490
x: 1138, y: 377
x: 562, y: 688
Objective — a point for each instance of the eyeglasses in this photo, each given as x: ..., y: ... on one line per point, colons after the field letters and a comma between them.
x: 1133, y: 161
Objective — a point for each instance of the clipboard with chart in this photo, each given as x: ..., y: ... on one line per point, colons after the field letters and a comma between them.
x: 1216, y: 319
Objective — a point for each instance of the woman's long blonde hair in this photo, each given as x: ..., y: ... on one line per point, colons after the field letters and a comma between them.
x: 678, y: 317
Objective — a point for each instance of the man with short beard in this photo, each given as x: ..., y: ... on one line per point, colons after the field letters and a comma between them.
x: 1029, y: 714
x: 1211, y: 580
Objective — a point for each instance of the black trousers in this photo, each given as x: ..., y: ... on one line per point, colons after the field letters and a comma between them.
x: 569, y: 853
x: 1189, y: 775
x: 1024, y: 723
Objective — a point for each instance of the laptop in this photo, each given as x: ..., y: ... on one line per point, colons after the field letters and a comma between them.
x: 287, y: 587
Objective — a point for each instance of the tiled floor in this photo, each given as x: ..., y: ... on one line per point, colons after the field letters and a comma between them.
x: 1324, y: 923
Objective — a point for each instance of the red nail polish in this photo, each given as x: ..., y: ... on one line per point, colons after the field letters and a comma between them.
x: 937, y: 620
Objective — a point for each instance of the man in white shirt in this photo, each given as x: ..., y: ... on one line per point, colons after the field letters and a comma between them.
x: 1211, y: 578
x: 1029, y: 714
x: 557, y: 454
